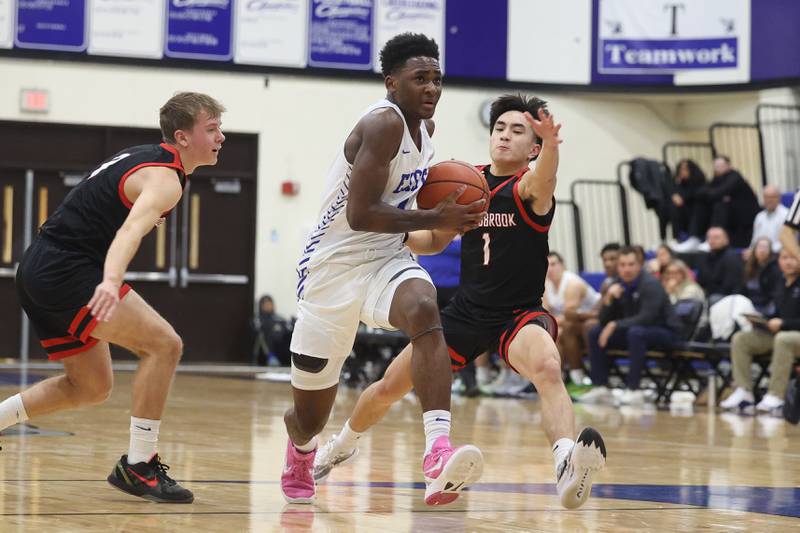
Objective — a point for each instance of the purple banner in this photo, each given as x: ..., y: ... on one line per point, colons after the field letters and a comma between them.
x: 199, y: 29
x: 51, y: 25
x: 667, y: 55
x: 340, y: 34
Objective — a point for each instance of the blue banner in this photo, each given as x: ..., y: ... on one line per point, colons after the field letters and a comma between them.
x: 51, y: 25
x: 668, y: 54
x: 199, y: 29
x: 340, y: 34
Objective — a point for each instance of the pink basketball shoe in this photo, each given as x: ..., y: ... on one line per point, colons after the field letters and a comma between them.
x: 297, y: 482
x: 450, y: 470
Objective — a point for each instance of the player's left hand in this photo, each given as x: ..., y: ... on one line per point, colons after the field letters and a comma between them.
x: 545, y: 127
x: 774, y: 324
x: 104, y: 301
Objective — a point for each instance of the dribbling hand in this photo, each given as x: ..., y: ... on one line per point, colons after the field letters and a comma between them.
x: 453, y: 216
x: 104, y: 301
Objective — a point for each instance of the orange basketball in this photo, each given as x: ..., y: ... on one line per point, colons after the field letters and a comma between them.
x: 445, y: 177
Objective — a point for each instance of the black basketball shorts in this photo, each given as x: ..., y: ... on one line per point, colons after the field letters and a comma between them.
x: 54, y: 285
x: 471, y: 330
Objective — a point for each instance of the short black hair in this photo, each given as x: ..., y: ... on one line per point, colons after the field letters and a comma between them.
x: 557, y: 256
x: 516, y: 102
x: 610, y: 247
x: 724, y: 158
x: 403, y: 47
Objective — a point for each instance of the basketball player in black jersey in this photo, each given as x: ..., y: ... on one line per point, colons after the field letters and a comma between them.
x: 70, y: 283
x: 498, y: 305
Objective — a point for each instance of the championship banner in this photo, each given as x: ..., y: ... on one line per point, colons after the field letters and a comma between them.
x: 128, y: 28
x: 669, y: 36
x: 51, y: 25
x: 340, y: 34
x: 199, y: 29
x: 271, y: 32
x: 6, y: 23
x: 393, y: 17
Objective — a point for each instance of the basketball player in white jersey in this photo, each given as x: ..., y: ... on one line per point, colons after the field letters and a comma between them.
x: 355, y: 268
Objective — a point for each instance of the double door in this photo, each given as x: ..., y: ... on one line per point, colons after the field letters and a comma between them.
x: 196, y: 269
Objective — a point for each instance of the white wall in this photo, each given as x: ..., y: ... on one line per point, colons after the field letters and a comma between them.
x: 302, y: 122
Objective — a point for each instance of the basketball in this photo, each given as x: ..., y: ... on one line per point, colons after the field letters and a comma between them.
x: 446, y: 177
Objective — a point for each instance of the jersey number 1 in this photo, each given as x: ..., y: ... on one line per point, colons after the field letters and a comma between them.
x: 485, y: 249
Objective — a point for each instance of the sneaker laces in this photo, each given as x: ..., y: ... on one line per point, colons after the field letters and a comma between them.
x: 161, y: 469
x: 299, y: 467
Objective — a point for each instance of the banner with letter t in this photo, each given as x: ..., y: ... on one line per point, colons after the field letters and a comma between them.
x: 698, y: 41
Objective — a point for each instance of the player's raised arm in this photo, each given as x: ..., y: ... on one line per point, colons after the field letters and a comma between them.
x: 380, y: 136
x: 539, y: 184
x: 160, y: 191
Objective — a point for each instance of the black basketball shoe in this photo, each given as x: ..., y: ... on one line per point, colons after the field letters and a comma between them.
x: 149, y: 481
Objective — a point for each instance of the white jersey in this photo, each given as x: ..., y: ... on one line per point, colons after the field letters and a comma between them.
x: 333, y: 240
x: 555, y: 295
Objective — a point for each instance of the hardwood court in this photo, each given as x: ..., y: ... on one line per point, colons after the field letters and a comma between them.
x: 224, y: 438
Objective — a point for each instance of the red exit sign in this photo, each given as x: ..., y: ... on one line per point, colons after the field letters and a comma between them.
x: 34, y: 100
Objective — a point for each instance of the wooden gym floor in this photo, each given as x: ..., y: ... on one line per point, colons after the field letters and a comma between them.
x: 224, y: 438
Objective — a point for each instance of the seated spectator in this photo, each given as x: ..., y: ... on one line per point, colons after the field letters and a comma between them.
x: 768, y: 222
x: 727, y: 201
x: 444, y: 269
x: 637, y: 316
x: 664, y: 256
x: 677, y: 281
x: 272, y: 334
x: 686, y: 220
x: 762, y: 277
x: 610, y: 255
x: 720, y: 271
x: 572, y: 301
x: 780, y: 335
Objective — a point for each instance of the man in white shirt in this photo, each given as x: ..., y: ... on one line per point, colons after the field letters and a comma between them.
x: 768, y: 223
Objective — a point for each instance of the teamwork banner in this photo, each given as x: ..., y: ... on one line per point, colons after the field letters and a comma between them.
x: 6, y: 23
x: 664, y: 36
x: 393, y: 17
x: 271, y: 32
x: 340, y: 34
x: 199, y: 29
x: 130, y: 28
x: 51, y: 25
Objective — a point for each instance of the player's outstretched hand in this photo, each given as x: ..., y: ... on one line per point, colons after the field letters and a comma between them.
x: 460, y: 218
x: 546, y: 127
x: 104, y: 301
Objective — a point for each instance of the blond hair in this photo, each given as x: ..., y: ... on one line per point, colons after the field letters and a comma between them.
x: 180, y: 112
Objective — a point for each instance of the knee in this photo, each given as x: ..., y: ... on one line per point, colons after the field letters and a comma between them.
x: 636, y: 333
x: 95, y: 389
x: 548, y: 369
x: 167, y: 345
x: 423, y: 313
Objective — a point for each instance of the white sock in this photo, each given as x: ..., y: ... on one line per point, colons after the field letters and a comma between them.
x: 308, y: 447
x: 561, y: 449
x: 347, y: 438
x: 577, y: 376
x: 482, y: 375
x: 12, y: 412
x: 144, y: 440
x: 437, y: 424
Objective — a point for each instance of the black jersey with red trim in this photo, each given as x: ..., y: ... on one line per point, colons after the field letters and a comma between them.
x: 504, y: 260
x: 89, y: 217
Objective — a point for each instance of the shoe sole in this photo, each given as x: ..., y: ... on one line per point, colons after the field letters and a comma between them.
x: 464, y: 468
x: 149, y: 497
x: 322, y: 479
x: 588, y: 457
x: 297, y: 500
